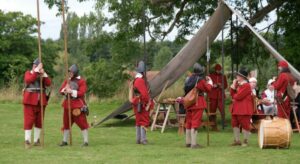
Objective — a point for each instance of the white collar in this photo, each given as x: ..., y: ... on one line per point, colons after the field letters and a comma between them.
x: 78, y: 77
x: 138, y: 75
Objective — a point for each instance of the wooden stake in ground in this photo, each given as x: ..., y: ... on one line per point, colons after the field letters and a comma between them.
x: 66, y: 66
x: 41, y: 78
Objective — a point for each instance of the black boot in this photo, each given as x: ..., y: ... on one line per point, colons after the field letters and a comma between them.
x: 63, y: 143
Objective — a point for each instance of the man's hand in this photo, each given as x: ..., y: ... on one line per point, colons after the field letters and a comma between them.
x: 42, y: 71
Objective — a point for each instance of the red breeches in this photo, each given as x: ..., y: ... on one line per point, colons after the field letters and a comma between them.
x: 284, y: 110
x: 32, y: 116
x: 214, y: 104
x: 80, y: 120
x: 241, y: 121
x: 141, y: 118
x: 193, y: 118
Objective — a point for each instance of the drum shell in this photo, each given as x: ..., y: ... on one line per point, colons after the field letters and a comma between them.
x: 274, y: 133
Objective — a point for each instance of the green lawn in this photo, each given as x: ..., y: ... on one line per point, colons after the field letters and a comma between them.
x: 114, y: 142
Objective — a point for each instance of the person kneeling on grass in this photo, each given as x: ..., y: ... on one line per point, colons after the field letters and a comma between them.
x: 75, y: 89
x: 194, y: 112
x: 241, y: 108
x: 141, y: 103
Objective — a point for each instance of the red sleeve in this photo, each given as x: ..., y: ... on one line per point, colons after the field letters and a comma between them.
x: 62, y: 86
x: 82, y: 88
x: 263, y: 95
x: 232, y: 92
x: 140, y: 85
x: 30, y: 78
x: 279, y: 82
x: 47, y: 81
x: 203, y: 86
x: 242, y: 92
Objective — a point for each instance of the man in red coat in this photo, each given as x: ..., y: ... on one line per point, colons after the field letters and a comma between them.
x: 141, y: 103
x: 194, y: 113
x: 280, y: 85
x: 241, y: 107
x: 32, y: 101
x: 76, y: 89
x: 215, y: 95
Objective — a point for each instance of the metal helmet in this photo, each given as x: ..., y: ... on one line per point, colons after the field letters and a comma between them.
x: 197, y: 68
x: 141, y: 67
x: 74, y: 69
x: 36, y: 61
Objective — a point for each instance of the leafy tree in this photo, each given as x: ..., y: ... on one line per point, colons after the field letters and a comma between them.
x: 18, y: 46
x: 163, y: 56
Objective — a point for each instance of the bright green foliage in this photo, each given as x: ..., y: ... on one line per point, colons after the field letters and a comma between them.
x: 162, y: 58
x: 18, y: 47
x: 289, y: 26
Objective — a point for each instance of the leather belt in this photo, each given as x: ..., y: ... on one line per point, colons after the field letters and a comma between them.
x: 33, y: 89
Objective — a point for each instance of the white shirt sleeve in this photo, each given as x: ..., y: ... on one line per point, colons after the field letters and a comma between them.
x: 74, y: 93
x: 45, y: 75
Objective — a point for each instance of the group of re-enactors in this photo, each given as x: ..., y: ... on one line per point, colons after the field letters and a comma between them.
x: 75, y: 87
x: 242, y: 91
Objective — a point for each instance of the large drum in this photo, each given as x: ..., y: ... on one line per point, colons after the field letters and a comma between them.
x: 274, y: 133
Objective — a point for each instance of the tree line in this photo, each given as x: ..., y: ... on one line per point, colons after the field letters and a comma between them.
x: 103, y: 56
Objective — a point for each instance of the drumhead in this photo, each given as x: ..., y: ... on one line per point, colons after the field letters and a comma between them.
x: 261, y: 136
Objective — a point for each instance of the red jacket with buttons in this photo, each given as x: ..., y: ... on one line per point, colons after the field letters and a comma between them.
x: 79, y: 101
x: 33, y: 98
x: 242, y: 101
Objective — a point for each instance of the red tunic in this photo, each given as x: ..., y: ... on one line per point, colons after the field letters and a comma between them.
x: 281, y: 85
x: 142, y: 118
x: 32, y: 98
x: 77, y: 102
x: 215, y: 95
x: 242, y: 106
x: 216, y: 92
x: 242, y: 102
x: 31, y: 101
x: 194, y: 113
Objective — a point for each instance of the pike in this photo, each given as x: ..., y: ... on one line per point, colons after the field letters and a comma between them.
x: 41, y: 78
x: 66, y: 66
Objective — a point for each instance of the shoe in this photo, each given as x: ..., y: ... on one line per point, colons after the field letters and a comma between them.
x: 63, y: 144
x: 197, y: 146
x: 138, y: 142
x: 85, y: 144
x: 144, y: 142
x: 187, y: 145
x: 37, y: 143
x: 27, y: 144
x: 245, y: 143
x: 236, y: 143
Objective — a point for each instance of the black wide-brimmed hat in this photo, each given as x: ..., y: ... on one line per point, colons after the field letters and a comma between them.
x: 243, y: 72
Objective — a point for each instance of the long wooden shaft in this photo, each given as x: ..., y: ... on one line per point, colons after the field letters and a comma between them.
x: 66, y: 67
x: 41, y: 77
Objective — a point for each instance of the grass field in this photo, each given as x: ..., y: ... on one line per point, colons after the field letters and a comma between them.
x: 114, y: 142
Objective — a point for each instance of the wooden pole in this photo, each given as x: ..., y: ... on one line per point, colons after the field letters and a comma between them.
x: 41, y: 78
x: 66, y: 67
x: 223, y: 76
x: 207, y: 99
